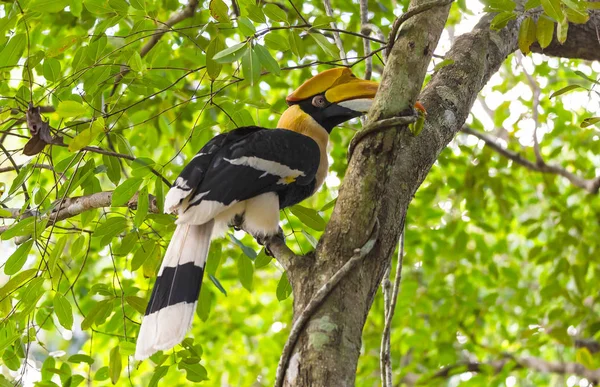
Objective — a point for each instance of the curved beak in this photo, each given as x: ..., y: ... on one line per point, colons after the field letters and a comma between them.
x: 356, y: 95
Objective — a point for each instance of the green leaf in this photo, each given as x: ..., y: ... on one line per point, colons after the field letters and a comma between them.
x: 262, y: 259
x: 245, y: 271
x: 566, y: 89
x: 48, y: 6
x: 231, y: 54
x: 284, y: 289
x: 81, y: 358
x: 63, y: 311
x: 296, y: 44
x: 118, y: 223
x: 248, y: 251
x: 553, y: 9
x: 16, y: 281
x: 17, y: 259
x: 142, y: 207
x: 216, y: 282
x: 68, y: 109
x: 323, y: 21
x: 255, y: 14
x: 251, y: 66
x: 98, y: 7
x: 51, y: 69
x: 527, y: 34
x: 213, y: 68
x: 219, y: 10
x: 194, y: 372
x: 562, y: 30
x: 159, y: 193
x: 308, y: 217
x: 577, y: 16
x: 88, y: 135
x: 276, y: 42
x: 102, y: 374
x: 137, y: 63
x: 159, y: 373
x: 442, y: 64
x: 115, y: 365
x: 311, y: 239
x: 204, y: 303
x: 583, y: 356
x: 137, y: 303
x: 325, y: 45
x: 545, y: 31
x: 138, y: 4
x: 246, y: 26
x: 275, y: 13
x: 140, y: 256
x: 20, y: 179
x: 267, y: 60
x: 328, y: 205
x: 590, y: 121
x: 125, y: 191
x: 499, y: 5
x: 113, y: 168
x: 11, y: 53
x: 501, y: 20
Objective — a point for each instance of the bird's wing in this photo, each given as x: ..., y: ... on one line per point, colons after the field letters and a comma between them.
x: 246, y: 163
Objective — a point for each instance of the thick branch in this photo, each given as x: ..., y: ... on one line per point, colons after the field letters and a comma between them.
x: 583, y: 41
x: 590, y: 185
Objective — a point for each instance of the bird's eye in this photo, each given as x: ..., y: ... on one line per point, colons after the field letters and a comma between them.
x: 319, y: 101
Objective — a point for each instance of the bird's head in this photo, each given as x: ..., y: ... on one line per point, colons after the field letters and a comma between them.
x: 330, y: 98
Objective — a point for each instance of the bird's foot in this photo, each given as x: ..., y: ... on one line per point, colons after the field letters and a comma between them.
x: 266, y: 240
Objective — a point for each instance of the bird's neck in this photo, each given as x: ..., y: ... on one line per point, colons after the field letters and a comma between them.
x: 298, y: 121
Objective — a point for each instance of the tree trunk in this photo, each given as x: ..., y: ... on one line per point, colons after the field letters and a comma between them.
x: 384, y: 173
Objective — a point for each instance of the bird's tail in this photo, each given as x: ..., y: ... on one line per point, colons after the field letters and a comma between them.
x: 173, y: 301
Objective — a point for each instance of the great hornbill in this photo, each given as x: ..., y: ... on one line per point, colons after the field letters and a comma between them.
x: 246, y: 175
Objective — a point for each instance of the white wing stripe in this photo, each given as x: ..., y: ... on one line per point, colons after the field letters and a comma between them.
x: 268, y: 166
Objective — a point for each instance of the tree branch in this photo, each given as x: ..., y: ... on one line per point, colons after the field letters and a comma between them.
x: 336, y: 34
x: 76, y: 205
x: 186, y: 13
x: 498, y: 366
x: 590, y: 185
x: 385, y: 353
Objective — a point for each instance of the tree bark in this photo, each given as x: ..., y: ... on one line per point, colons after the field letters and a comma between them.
x: 384, y: 173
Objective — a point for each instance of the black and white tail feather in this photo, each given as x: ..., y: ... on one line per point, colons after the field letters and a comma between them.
x: 171, y: 308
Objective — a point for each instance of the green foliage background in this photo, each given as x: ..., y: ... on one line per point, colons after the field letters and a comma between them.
x: 499, y: 259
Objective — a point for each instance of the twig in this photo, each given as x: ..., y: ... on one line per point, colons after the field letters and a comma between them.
x: 410, y: 13
x: 364, y: 20
x: 16, y: 167
x: 298, y: 12
x: 590, y: 185
x: 13, y: 168
x: 101, y: 151
x: 336, y: 34
x: 498, y: 366
x: 76, y: 205
x: 385, y: 355
x: 187, y: 12
x: 318, y: 298
x: 284, y: 255
x: 377, y: 127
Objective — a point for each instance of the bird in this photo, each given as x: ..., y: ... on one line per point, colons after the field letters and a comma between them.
x: 244, y: 177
